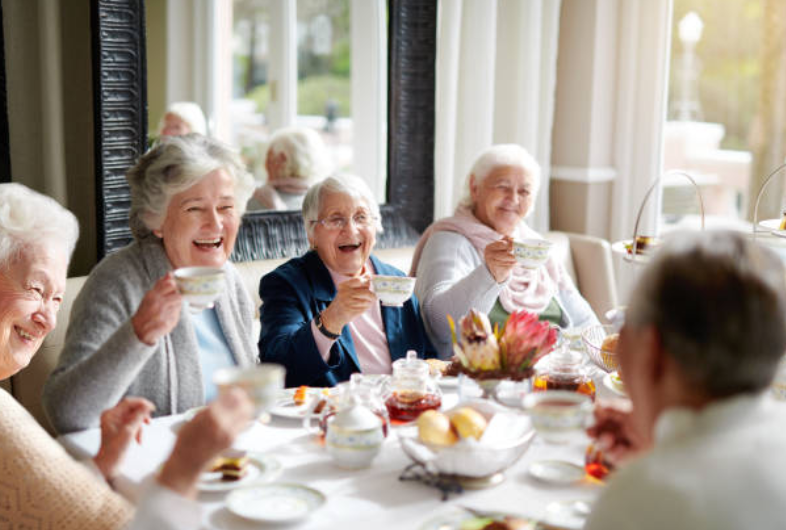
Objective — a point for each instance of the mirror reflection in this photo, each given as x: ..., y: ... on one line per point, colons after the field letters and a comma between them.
x: 299, y: 87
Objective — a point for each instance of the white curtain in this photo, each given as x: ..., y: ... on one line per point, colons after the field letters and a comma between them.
x: 496, y: 73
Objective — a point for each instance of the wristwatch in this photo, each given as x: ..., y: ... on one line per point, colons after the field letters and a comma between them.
x: 322, y: 329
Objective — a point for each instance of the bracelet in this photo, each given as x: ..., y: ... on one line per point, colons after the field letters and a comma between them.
x: 322, y: 329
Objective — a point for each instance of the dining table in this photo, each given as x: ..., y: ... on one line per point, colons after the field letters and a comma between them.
x: 374, y: 497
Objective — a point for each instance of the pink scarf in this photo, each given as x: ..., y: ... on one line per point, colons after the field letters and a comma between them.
x: 527, y: 289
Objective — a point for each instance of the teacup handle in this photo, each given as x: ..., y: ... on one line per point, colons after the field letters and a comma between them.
x: 311, y: 415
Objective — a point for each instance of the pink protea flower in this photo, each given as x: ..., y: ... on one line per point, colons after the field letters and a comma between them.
x: 524, y: 341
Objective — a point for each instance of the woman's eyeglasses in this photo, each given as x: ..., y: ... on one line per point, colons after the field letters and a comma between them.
x: 360, y: 220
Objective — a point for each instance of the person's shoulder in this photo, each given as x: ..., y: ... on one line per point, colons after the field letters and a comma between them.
x: 122, y: 267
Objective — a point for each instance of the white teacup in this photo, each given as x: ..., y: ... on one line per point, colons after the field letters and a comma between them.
x: 558, y: 415
x: 532, y: 253
x: 200, y: 286
x: 261, y: 382
x: 393, y: 290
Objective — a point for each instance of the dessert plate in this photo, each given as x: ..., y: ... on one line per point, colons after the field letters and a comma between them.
x: 286, y: 407
x: 773, y: 225
x: 557, y: 472
x: 613, y: 382
x: 261, y: 468
x: 570, y: 515
x: 458, y: 518
x: 275, y: 503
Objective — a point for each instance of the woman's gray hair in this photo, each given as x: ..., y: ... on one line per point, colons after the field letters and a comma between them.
x: 173, y: 165
x: 718, y: 302
x: 501, y: 155
x: 344, y: 183
x: 29, y: 219
x: 305, y: 152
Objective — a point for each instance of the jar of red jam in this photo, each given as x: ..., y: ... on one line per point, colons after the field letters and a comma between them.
x: 411, y: 390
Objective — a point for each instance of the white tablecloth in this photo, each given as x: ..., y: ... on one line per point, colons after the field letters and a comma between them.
x: 369, y: 498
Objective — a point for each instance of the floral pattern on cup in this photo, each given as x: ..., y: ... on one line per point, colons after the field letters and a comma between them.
x: 532, y: 253
x: 393, y: 290
x: 200, y: 286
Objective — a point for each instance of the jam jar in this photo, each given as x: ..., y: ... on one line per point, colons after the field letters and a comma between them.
x: 564, y: 370
x: 411, y: 390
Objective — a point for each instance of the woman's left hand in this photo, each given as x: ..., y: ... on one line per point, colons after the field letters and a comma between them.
x: 119, y: 425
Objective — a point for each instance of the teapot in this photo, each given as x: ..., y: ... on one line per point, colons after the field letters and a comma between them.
x: 564, y: 370
x: 354, y: 435
x: 411, y: 391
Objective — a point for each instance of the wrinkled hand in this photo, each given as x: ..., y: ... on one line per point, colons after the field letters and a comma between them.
x: 119, y: 425
x: 203, y: 438
x: 499, y: 258
x: 616, y: 434
x: 159, y: 311
x: 353, y: 298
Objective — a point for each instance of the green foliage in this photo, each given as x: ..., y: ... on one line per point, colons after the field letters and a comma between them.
x: 313, y: 94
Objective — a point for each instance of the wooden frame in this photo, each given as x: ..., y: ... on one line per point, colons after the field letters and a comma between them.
x: 120, y: 88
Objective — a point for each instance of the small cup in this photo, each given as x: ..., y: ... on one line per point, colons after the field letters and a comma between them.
x: 261, y: 382
x: 558, y: 415
x: 393, y: 291
x: 200, y: 286
x: 532, y: 253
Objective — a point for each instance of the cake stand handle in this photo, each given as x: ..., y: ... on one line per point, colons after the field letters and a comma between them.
x: 759, y: 196
x: 653, y: 187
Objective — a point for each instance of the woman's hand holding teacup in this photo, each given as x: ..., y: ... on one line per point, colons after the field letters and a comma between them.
x: 500, y: 258
x: 353, y: 298
x: 159, y: 311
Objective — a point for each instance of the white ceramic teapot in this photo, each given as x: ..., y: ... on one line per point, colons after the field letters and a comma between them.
x: 354, y: 435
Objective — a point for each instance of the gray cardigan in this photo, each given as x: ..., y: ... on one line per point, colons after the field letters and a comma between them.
x: 103, y: 360
x: 452, y: 278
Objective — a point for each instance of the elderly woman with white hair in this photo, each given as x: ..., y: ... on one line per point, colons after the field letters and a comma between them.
x: 182, y: 117
x: 704, y: 333
x: 466, y: 261
x: 127, y: 334
x: 37, y: 237
x: 296, y: 158
x: 320, y: 318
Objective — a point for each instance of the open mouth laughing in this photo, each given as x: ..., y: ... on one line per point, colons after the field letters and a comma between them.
x: 26, y: 336
x: 349, y: 247
x: 209, y: 244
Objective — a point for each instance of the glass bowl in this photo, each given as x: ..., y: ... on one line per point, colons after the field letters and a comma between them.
x: 593, y: 338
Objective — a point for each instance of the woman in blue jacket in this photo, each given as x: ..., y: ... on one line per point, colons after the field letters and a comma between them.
x: 320, y: 318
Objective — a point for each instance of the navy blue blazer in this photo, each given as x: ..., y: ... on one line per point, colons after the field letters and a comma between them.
x: 294, y: 293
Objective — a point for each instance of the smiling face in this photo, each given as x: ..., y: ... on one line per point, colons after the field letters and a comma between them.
x: 344, y: 250
x: 503, y: 198
x: 31, y: 290
x: 201, y: 223
x: 174, y: 126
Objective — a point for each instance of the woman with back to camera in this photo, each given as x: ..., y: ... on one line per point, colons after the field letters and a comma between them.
x: 466, y: 261
x: 37, y: 238
x: 127, y: 334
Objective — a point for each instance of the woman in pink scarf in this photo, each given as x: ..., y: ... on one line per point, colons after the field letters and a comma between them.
x: 296, y: 158
x: 466, y: 261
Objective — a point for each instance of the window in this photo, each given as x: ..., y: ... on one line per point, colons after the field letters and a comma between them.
x: 726, y: 110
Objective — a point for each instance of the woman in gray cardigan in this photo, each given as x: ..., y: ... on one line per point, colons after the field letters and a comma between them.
x: 128, y: 333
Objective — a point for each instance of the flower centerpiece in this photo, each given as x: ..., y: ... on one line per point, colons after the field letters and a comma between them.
x: 493, y: 355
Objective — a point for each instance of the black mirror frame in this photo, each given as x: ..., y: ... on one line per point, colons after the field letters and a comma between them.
x: 120, y: 110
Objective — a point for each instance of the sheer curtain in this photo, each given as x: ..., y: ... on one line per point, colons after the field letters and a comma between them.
x: 496, y: 73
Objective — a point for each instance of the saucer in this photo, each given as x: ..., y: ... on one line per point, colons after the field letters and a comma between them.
x: 261, y: 468
x: 557, y: 472
x: 612, y: 382
x: 275, y: 503
x: 570, y: 515
x: 773, y: 225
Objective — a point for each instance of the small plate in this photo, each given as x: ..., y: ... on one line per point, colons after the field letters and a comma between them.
x: 570, y: 515
x: 457, y: 518
x: 275, y: 503
x: 448, y: 381
x: 557, y: 472
x: 285, y: 406
x: 261, y: 468
x: 773, y: 225
x: 613, y: 382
